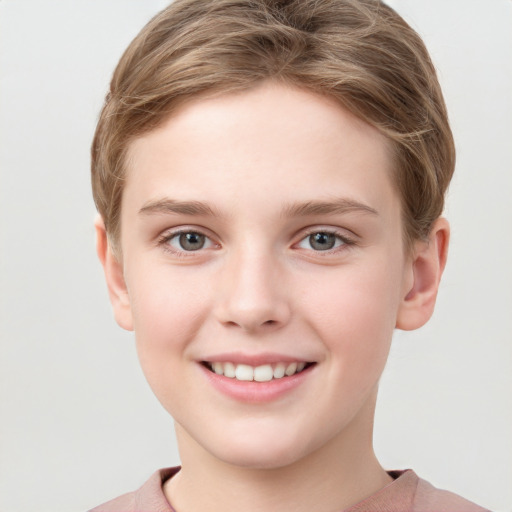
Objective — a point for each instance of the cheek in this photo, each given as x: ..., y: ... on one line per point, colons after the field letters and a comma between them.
x: 167, y: 308
x: 357, y: 298
x: 165, y: 302
x: 355, y: 314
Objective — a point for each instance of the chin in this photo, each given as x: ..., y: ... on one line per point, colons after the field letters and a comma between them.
x: 257, y: 451
x: 259, y: 459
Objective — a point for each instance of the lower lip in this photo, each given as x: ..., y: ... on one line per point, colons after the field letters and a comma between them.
x: 256, y: 392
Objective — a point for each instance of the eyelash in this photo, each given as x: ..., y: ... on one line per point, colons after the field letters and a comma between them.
x: 346, y: 240
x: 163, y: 241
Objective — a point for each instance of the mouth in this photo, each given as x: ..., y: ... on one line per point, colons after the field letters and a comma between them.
x: 262, y: 373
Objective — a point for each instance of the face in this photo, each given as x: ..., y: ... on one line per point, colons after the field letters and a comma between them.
x: 261, y: 236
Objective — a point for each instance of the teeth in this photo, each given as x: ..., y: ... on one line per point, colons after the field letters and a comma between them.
x: 291, y: 369
x: 279, y: 371
x: 244, y: 372
x: 229, y: 370
x: 217, y: 368
x: 263, y: 373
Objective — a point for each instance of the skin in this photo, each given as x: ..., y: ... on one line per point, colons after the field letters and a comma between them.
x: 258, y: 286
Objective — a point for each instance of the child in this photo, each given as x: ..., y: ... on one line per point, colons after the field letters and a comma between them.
x: 270, y: 178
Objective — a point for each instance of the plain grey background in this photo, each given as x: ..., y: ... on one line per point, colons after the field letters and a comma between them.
x: 78, y: 423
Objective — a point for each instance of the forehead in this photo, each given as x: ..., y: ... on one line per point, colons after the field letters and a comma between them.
x: 287, y: 142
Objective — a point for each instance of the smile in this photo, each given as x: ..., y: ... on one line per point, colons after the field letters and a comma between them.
x: 263, y: 373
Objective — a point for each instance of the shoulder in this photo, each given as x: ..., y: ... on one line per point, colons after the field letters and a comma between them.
x: 428, y: 498
x: 148, y: 497
x: 409, y: 493
x: 126, y: 502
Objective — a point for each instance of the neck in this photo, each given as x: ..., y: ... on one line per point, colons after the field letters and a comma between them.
x: 336, y: 476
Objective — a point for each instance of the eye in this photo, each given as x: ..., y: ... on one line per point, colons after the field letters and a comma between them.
x: 323, y: 241
x: 188, y: 241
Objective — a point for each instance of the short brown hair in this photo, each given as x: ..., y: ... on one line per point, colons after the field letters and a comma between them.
x: 359, y: 52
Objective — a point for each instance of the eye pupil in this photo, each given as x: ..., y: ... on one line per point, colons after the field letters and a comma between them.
x: 192, y: 241
x: 322, y: 241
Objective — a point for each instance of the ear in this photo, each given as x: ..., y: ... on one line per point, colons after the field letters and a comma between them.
x: 114, y: 277
x: 427, y: 263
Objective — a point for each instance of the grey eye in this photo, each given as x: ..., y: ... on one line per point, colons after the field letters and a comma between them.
x: 189, y: 241
x: 322, y: 241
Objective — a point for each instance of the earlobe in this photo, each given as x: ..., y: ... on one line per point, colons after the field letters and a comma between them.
x: 114, y: 277
x: 427, y: 264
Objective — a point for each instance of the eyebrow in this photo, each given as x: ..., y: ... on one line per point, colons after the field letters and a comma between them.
x: 308, y: 208
x: 335, y: 206
x: 178, y: 207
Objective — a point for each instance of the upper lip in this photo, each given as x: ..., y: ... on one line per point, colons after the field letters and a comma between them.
x: 254, y: 359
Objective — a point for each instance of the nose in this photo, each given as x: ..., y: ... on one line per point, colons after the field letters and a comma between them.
x: 252, y: 294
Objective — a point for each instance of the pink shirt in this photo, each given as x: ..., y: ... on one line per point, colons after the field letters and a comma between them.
x: 407, y: 493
